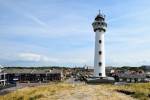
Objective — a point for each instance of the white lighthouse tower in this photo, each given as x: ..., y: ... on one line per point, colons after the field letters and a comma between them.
x: 99, y: 27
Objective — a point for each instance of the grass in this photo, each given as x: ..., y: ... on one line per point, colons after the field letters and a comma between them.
x: 138, y: 90
x: 65, y: 91
x: 34, y: 93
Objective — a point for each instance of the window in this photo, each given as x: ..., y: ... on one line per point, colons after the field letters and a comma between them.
x: 100, y: 41
x: 120, y: 79
x: 139, y: 79
x: 100, y: 52
x: 99, y: 63
x: 100, y: 74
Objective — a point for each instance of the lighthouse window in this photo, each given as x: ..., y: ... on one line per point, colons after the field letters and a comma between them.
x: 100, y: 41
x: 100, y: 74
x: 100, y: 52
x: 100, y: 63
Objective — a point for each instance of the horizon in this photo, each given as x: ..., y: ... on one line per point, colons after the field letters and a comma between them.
x: 59, y: 33
x: 85, y: 66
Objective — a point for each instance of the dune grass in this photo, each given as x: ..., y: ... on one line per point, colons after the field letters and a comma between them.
x: 138, y: 90
x: 34, y: 93
x: 65, y: 91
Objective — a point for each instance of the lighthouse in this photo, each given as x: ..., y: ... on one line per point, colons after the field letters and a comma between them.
x: 99, y: 27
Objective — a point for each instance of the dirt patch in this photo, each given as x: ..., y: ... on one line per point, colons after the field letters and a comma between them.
x: 126, y: 92
x: 64, y: 91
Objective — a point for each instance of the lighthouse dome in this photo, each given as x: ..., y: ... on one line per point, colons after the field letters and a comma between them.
x: 100, y: 17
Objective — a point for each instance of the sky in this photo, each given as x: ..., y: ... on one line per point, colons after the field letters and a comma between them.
x: 59, y: 32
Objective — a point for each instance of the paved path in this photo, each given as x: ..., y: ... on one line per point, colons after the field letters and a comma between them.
x: 72, y: 81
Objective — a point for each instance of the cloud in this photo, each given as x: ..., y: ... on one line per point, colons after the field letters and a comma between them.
x: 30, y: 57
x: 35, y: 57
x: 65, y: 38
x: 18, y: 9
x: 35, y: 19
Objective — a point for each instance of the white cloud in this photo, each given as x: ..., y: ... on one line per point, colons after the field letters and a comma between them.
x: 35, y: 57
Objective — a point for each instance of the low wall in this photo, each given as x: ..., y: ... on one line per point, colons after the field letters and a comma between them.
x: 7, y: 86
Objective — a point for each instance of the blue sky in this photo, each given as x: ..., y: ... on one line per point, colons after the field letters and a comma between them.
x: 59, y: 32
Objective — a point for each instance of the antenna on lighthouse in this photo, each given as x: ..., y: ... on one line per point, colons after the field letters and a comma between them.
x: 99, y: 11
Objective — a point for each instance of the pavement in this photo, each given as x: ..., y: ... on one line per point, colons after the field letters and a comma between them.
x: 72, y: 81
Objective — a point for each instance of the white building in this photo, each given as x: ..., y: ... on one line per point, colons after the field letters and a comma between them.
x: 99, y: 27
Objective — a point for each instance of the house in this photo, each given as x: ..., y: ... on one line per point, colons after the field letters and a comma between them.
x: 146, y: 68
x: 27, y: 75
x: 130, y: 77
x: 2, y: 77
